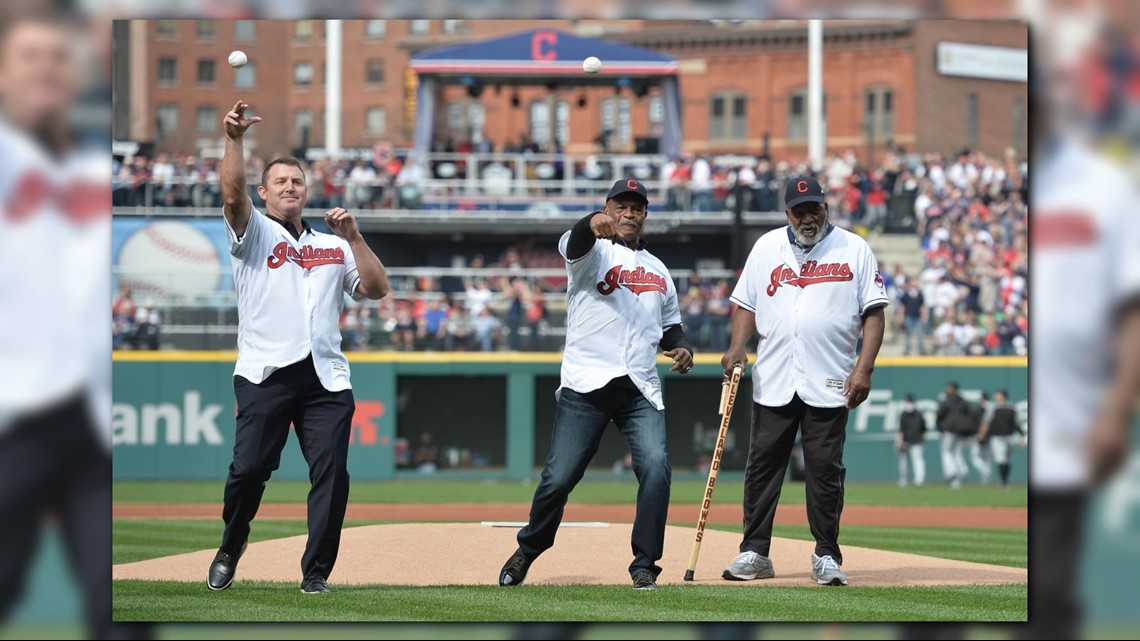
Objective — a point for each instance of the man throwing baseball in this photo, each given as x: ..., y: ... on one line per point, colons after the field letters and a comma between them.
x: 809, y: 289
x: 290, y: 282
x: 622, y: 306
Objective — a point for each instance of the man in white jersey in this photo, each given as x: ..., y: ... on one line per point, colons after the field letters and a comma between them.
x: 290, y: 282
x: 622, y: 306
x: 1085, y: 240
x: 55, y: 445
x: 810, y: 289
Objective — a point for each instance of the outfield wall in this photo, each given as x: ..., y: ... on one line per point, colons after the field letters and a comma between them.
x: 489, y: 415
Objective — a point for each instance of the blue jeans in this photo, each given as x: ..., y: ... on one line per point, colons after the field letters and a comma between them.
x: 916, y: 330
x: 579, y: 422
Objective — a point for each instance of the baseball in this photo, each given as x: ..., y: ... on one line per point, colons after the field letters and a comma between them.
x: 238, y: 59
x: 592, y: 65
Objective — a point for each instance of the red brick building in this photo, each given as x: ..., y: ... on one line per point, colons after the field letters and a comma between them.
x: 743, y: 85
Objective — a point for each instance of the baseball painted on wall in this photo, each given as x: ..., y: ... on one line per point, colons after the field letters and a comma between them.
x: 170, y: 259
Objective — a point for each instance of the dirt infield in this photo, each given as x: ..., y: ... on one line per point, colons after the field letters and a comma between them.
x: 383, y: 554
x: 892, y: 516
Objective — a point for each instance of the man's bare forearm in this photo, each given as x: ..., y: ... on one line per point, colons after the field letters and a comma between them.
x: 373, y: 277
x: 232, y: 175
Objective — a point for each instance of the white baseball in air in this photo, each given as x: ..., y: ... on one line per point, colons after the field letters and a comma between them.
x: 592, y: 65
x: 238, y: 59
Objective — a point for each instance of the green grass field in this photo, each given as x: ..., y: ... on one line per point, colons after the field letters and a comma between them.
x: 253, y: 601
x: 729, y: 490
x: 167, y: 601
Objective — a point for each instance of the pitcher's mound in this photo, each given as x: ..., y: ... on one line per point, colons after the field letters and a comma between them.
x: 472, y: 554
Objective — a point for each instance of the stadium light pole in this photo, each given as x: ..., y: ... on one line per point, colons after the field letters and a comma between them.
x: 333, y: 77
x: 815, y: 94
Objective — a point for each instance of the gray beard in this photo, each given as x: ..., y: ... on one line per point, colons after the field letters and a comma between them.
x: 803, y: 241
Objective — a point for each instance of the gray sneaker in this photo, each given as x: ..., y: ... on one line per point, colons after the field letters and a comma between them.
x: 825, y: 571
x: 749, y: 565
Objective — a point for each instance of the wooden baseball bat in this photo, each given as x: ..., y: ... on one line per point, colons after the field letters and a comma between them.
x: 727, y: 400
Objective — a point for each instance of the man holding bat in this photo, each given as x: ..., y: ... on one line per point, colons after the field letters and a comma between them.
x: 622, y: 307
x: 810, y: 289
x: 291, y: 281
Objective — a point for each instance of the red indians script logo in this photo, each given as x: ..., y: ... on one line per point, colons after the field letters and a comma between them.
x: 811, y: 273
x: 308, y: 258
x: 637, y: 281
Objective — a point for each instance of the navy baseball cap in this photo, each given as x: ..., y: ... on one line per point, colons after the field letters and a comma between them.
x: 802, y: 189
x: 628, y: 186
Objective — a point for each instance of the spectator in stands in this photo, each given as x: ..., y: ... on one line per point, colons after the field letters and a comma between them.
x: 410, y: 183
x: 478, y: 295
x: 535, y: 316
x: 913, y: 317
x: 701, y: 185
x: 458, y: 337
x: 487, y: 329
x: 515, y: 291
x: 432, y: 333
x: 350, y: 329
x: 426, y: 458
x: 404, y: 335
x: 146, y: 329
x: 693, y: 308
x: 718, y: 315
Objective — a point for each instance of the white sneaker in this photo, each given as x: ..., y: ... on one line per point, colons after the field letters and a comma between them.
x: 825, y: 571
x: 749, y: 565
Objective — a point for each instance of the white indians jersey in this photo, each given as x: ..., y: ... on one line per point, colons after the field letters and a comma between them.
x: 620, y: 302
x: 55, y: 214
x: 1085, y: 239
x: 290, y: 294
x: 809, y: 317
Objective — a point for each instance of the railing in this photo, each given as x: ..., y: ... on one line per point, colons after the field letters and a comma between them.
x: 454, y: 181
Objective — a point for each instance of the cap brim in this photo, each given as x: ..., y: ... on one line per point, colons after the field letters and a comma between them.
x: 804, y: 199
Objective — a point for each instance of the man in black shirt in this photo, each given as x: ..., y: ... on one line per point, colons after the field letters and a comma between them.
x: 1002, y: 430
x: 909, y: 443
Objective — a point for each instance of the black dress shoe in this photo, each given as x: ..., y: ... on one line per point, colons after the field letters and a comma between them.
x: 222, y: 570
x: 514, y: 571
x: 315, y: 585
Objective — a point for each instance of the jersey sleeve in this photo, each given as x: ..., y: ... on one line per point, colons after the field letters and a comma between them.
x: 872, y: 294
x: 584, y: 264
x: 351, y: 274
x: 745, y: 293
x: 255, y: 235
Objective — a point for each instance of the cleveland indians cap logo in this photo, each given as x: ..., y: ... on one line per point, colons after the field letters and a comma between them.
x: 802, y: 186
x: 631, y: 184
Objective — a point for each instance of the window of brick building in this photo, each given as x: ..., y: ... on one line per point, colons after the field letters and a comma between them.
x: 420, y: 27
x: 246, y: 77
x: 879, y: 113
x: 728, y: 116
x: 375, y: 120
x: 303, y: 30
x: 302, y: 121
x: 374, y: 72
x: 207, y: 29
x: 245, y: 30
x: 207, y: 119
x: 167, y: 71
x: 207, y: 72
x: 166, y: 120
x: 166, y: 28
x: 376, y: 29
x: 303, y: 74
x: 616, y: 119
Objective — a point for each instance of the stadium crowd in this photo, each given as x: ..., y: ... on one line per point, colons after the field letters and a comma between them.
x: 968, y: 214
